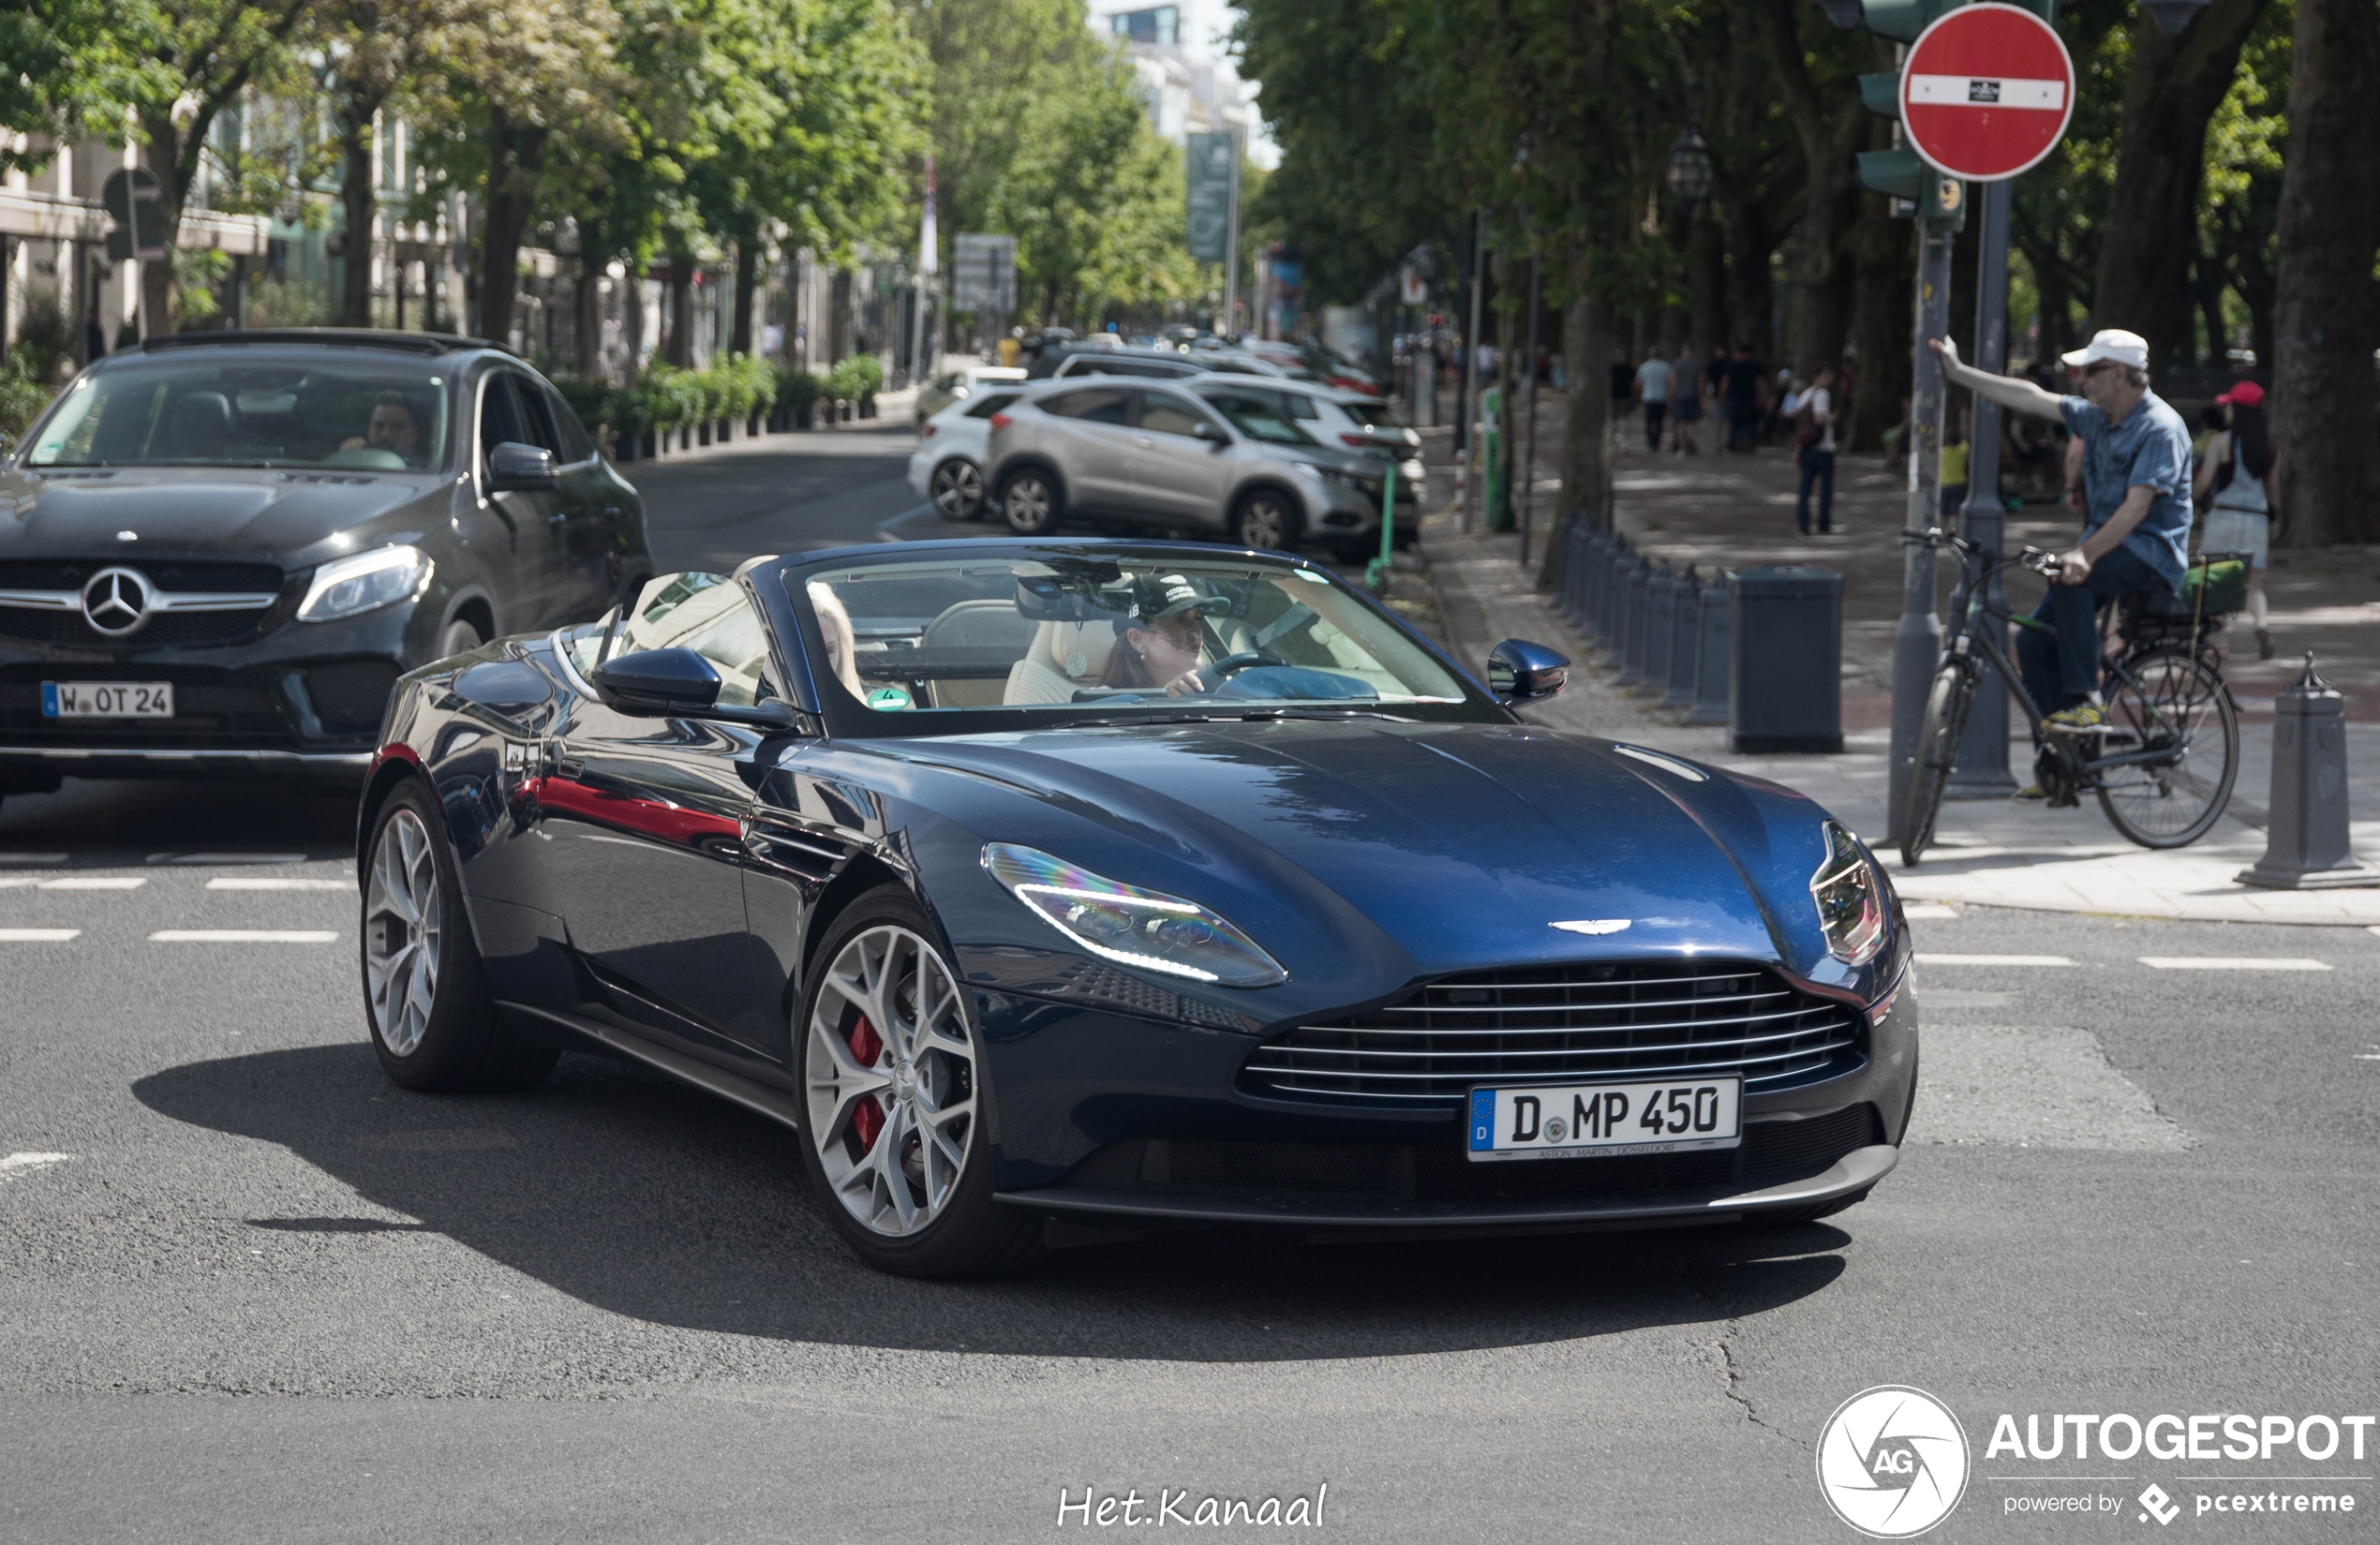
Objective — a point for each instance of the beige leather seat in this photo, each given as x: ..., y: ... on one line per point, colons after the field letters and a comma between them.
x: 1064, y: 656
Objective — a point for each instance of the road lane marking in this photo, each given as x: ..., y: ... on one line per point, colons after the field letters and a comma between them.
x: 24, y: 1163
x: 242, y: 936
x: 248, y: 882
x: 94, y: 882
x: 227, y: 858
x: 1928, y: 909
x: 38, y: 936
x: 1926, y: 958
x: 2232, y: 963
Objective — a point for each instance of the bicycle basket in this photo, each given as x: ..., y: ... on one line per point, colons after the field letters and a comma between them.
x: 2216, y: 583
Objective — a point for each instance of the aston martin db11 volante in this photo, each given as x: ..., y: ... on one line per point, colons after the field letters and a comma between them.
x: 1054, y: 890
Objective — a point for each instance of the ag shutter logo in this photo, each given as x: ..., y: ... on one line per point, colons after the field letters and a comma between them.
x: 1892, y: 1462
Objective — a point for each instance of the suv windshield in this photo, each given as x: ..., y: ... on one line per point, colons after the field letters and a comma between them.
x: 363, y: 414
x: 956, y: 644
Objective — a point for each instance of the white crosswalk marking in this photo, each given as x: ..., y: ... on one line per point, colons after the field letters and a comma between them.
x: 242, y: 936
x: 265, y: 882
x: 38, y: 936
x: 1927, y: 959
x: 2232, y: 963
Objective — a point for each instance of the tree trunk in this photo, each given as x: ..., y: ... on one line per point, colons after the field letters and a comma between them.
x: 1706, y: 282
x: 740, y: 340
x: 632, y: 322
x: 2327, y: 320
x: 356, y: 198
x: 1586, y: 421
x: 1882, y: 321
x: 516, y: 156
x: 678, y: 339
x: 587, y: 302
x: 164, y: 158
x: 2150, y: 228
x: 1831, y: 129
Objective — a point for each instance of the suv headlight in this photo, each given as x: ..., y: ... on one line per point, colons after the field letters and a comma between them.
x: 348, y: 586
x: 1130, y: 926
x: 1852, y: 897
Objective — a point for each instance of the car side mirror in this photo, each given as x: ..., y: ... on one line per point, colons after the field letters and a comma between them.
x: 514, y: 467
x: 662, y: 683
x: 1212, y: 433
x: 1521, y: 671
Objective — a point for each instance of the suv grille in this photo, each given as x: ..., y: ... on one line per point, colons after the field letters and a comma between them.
x: 164, y: 630
x: 1561, y: 1024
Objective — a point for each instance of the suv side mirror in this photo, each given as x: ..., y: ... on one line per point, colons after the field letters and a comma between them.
x: 515, y: 468
x: 1210, y: 432
x: 1521, y: 671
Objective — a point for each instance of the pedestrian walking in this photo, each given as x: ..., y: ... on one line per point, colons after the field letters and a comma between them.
x: 2136, y: 486
x: 1814, y: 442
x: 2235, y: 468
x: 1685, y: 402
x: 1653, y: 391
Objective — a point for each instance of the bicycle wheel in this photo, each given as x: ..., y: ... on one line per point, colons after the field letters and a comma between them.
x: 1947, y: 700
x: 2176, y: 704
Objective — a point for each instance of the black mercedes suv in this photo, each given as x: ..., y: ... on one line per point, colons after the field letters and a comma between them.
x: 218, y: 551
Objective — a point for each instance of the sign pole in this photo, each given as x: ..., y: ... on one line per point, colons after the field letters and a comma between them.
x: 1982, y: 771
x: 1231, y: 245
x: 1917, y: 643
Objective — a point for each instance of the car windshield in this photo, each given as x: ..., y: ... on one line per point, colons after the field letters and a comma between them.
x: 360, y: 414
x: 1083, y: 636
x: 1372, y: 413
x: 1254, y: 415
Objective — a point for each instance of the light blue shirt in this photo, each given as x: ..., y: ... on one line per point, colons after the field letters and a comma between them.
x: 2150, y: 448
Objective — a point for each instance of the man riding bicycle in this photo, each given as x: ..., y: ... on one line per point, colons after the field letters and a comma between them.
x: 2137, y: 472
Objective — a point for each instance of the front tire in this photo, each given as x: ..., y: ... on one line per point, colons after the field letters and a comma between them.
x: 432, y: 1020
x: 956, y: 490
x: 893, y: 1135
x: 1031, y: 502
x: 460, y: 638
x: 1267, y: 519
x: 1938, y: 735
x: 2179, y: 703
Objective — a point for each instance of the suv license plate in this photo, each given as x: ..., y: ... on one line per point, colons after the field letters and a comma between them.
x: 1582, y: 1121
x: 107, y: 700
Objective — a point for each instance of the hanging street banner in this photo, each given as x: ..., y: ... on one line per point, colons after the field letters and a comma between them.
x: 1208, y: 167
x: 1986, y: 92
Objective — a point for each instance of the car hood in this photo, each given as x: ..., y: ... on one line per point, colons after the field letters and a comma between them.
x: 1466, y: 843
x: 187, y: 511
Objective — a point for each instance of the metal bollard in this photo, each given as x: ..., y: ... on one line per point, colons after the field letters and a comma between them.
x: 1685, y: 627
x: 1565, y: 595
x: 1660, y: 618
x: 1589, y: 568
x: 1599, y: 605
x: 2307, y: 848
x: 1712, y: 650
x: 1632, y: 614
x: 1611, y: 618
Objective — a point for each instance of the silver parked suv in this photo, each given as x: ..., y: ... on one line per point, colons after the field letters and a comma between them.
x: 1215, y: 462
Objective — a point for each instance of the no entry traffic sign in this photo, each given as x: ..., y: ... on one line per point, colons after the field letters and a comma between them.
x: 1987, y: 91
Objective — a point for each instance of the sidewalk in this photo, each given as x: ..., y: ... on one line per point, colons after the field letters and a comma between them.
x: 1734, y: 511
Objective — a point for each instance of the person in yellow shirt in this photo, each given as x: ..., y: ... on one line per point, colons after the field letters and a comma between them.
x: 1954, y: 468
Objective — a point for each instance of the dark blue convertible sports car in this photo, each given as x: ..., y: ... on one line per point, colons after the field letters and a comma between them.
x: 1057, y: 891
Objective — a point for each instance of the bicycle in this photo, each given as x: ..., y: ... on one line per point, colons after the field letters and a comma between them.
x: 2164, y: 765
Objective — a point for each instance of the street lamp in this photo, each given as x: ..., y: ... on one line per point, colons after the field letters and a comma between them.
x: 1687, y: 176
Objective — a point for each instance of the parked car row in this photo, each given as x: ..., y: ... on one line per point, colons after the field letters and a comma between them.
x: 1148, y: 439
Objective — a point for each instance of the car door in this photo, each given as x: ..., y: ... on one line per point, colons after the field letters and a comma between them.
x: 644, y: 820
x: 1175, y: 475
x: 529, y: 576
x: 1090, y: 432
x: 587, y: 516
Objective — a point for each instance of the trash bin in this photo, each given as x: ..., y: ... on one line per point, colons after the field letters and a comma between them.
x: 1785, y: 689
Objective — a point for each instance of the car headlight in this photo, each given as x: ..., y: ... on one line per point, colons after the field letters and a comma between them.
x: 1130, y: 926
x: 348, y: 586
x: 1851, y: 895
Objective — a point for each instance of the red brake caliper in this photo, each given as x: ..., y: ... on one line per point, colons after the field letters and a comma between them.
x: 867, y: 1117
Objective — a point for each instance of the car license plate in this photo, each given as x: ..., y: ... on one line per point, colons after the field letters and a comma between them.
x: 107, y: 700
x: 1580, y: 1121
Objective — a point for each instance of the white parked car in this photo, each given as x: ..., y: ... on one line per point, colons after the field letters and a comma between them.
x: 958, y: 386
x: 948, y: 467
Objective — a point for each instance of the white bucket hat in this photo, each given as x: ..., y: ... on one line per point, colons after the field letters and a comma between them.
x: 2115, y: 344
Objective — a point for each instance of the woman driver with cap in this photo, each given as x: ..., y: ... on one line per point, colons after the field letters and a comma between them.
x: 1161, y: 646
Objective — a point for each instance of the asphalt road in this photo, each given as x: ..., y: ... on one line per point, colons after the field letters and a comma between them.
x: 249, y: 1291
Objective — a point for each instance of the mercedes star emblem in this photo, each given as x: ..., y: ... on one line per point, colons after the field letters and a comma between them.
x: 115, y: 601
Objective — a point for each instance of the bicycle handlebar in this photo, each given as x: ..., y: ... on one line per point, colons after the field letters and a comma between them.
x: 2045, y: 564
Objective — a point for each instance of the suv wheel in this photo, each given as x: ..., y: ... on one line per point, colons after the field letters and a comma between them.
x: 957, y: 489
x: 1266, y: 518
x: 1030, y: 500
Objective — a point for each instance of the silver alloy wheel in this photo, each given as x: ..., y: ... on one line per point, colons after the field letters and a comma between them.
x: 1028, y: 506
x: 958, y: 489
x: 890, y: 1076
x: 1262, y: 522
x: 401, y: 933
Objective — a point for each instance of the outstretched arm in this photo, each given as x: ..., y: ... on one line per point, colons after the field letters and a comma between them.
x: 2020, y: 395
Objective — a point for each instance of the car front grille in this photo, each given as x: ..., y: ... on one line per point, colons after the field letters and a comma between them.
x: 1771, y: 1154
x: 1559, y: 1024
x: 63, y: 622
x: 167, y: 630
x: 184, y: 574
